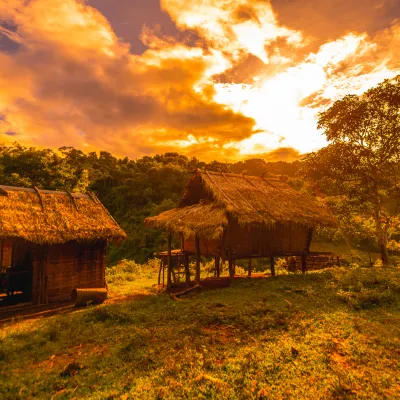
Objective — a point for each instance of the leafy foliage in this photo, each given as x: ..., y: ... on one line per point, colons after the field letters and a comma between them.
x: 130, y: 189
x: 360, y: 168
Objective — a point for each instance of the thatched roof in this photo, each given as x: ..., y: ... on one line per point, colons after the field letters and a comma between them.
x: 211, y: 198
x: 49, y: 217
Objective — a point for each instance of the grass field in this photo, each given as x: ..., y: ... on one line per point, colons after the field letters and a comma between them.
x: 331, y: 334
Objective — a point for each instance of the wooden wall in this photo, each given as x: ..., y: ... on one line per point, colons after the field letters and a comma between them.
x: 244, y: 242
x: 6, y: 248
x: 208, y: 247
x: 60, y: 268
x: 74, y: 265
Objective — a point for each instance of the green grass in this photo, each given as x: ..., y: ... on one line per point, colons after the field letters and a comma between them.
x: 349, y: 254
x: 331, y: 334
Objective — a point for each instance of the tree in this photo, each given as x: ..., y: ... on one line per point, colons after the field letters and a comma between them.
x: 361, y: 162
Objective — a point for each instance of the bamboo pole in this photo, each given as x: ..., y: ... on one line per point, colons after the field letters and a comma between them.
x: 169, y: 282
x: 197, y: 259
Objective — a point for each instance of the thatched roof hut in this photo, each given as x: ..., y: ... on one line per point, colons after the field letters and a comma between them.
x: 212, y: 198
x: 237, y: 216
x: 50, y: 217
x: 52, y: 243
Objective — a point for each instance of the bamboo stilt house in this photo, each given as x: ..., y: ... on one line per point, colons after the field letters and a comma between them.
x: 51, y: 243
x: 233, y: 217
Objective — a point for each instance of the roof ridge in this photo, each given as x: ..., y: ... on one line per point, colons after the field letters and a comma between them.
x: 6, y: 188
x: 240, y: 175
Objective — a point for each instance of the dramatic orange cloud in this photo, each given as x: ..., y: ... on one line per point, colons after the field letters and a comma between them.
x: 237, y: 78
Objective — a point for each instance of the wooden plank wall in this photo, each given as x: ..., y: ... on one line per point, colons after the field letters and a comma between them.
x: 73, y: 265
x: 6, y: 248
x: 58, y: 269
x: 245, y: 242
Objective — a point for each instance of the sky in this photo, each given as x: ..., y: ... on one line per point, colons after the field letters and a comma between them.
x: 214, y: 79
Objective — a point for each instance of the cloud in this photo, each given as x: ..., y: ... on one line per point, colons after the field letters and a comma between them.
x: 240, y: 78
x: 331, y: 19
x: 236, y: 27
x: 73, y: 82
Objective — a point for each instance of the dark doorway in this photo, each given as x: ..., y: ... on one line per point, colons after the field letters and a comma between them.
x: 16, y: 279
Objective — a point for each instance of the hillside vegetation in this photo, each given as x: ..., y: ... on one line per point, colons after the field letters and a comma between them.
x: 130, y: 189
x: 331, y: 334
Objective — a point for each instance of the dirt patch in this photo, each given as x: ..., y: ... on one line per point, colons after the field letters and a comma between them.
x: 121, y: 299
x: 74, y: 354
x: 220, y: 333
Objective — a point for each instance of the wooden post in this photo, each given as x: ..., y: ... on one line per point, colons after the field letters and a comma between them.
x: 249, y: 270
x: 169, y: 260
x: 231, y: 269
x: 163, y: 271
x: 272, y: 261
x: 159, y: 271
x: 304, y: 263
x: 217, y: 266
x: 197, y: 259
x: 187, y: 269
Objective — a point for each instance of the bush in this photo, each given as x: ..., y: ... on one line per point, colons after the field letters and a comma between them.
x: 129, y: 270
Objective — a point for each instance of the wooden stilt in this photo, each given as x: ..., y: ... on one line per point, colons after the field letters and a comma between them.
x: 217, y: 266
x: 169, y: 273
x: 231, y: 270
x: 163, y: 273
x: 187, y: 270
x: 159, y: 271
x: 272, y: 261
x: 249, y: 270
x: 303, y: 263
x: 197, y: 259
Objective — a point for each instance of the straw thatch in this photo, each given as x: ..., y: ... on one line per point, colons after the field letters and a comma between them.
x: 49, y: 217
x: 204, y: 219
x: 211, y: 198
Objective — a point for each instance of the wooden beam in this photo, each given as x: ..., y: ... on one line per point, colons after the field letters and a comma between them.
x: 169, y: 260
x: 197, y: 240
x: 231, y: 269
x: 272, y: 261
x: 159, y: 271
x: 249, y: 270
x: 309, y: 238
x: 304, y: 263
x: 217, y: 266
x: 187, y: 269
x: 45, y: 276
x: 163, y: 272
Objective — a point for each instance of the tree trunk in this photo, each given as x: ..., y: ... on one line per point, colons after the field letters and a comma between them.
x: 382, y: 237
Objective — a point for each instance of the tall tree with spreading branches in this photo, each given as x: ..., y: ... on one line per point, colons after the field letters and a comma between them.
x: 361, y: 163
